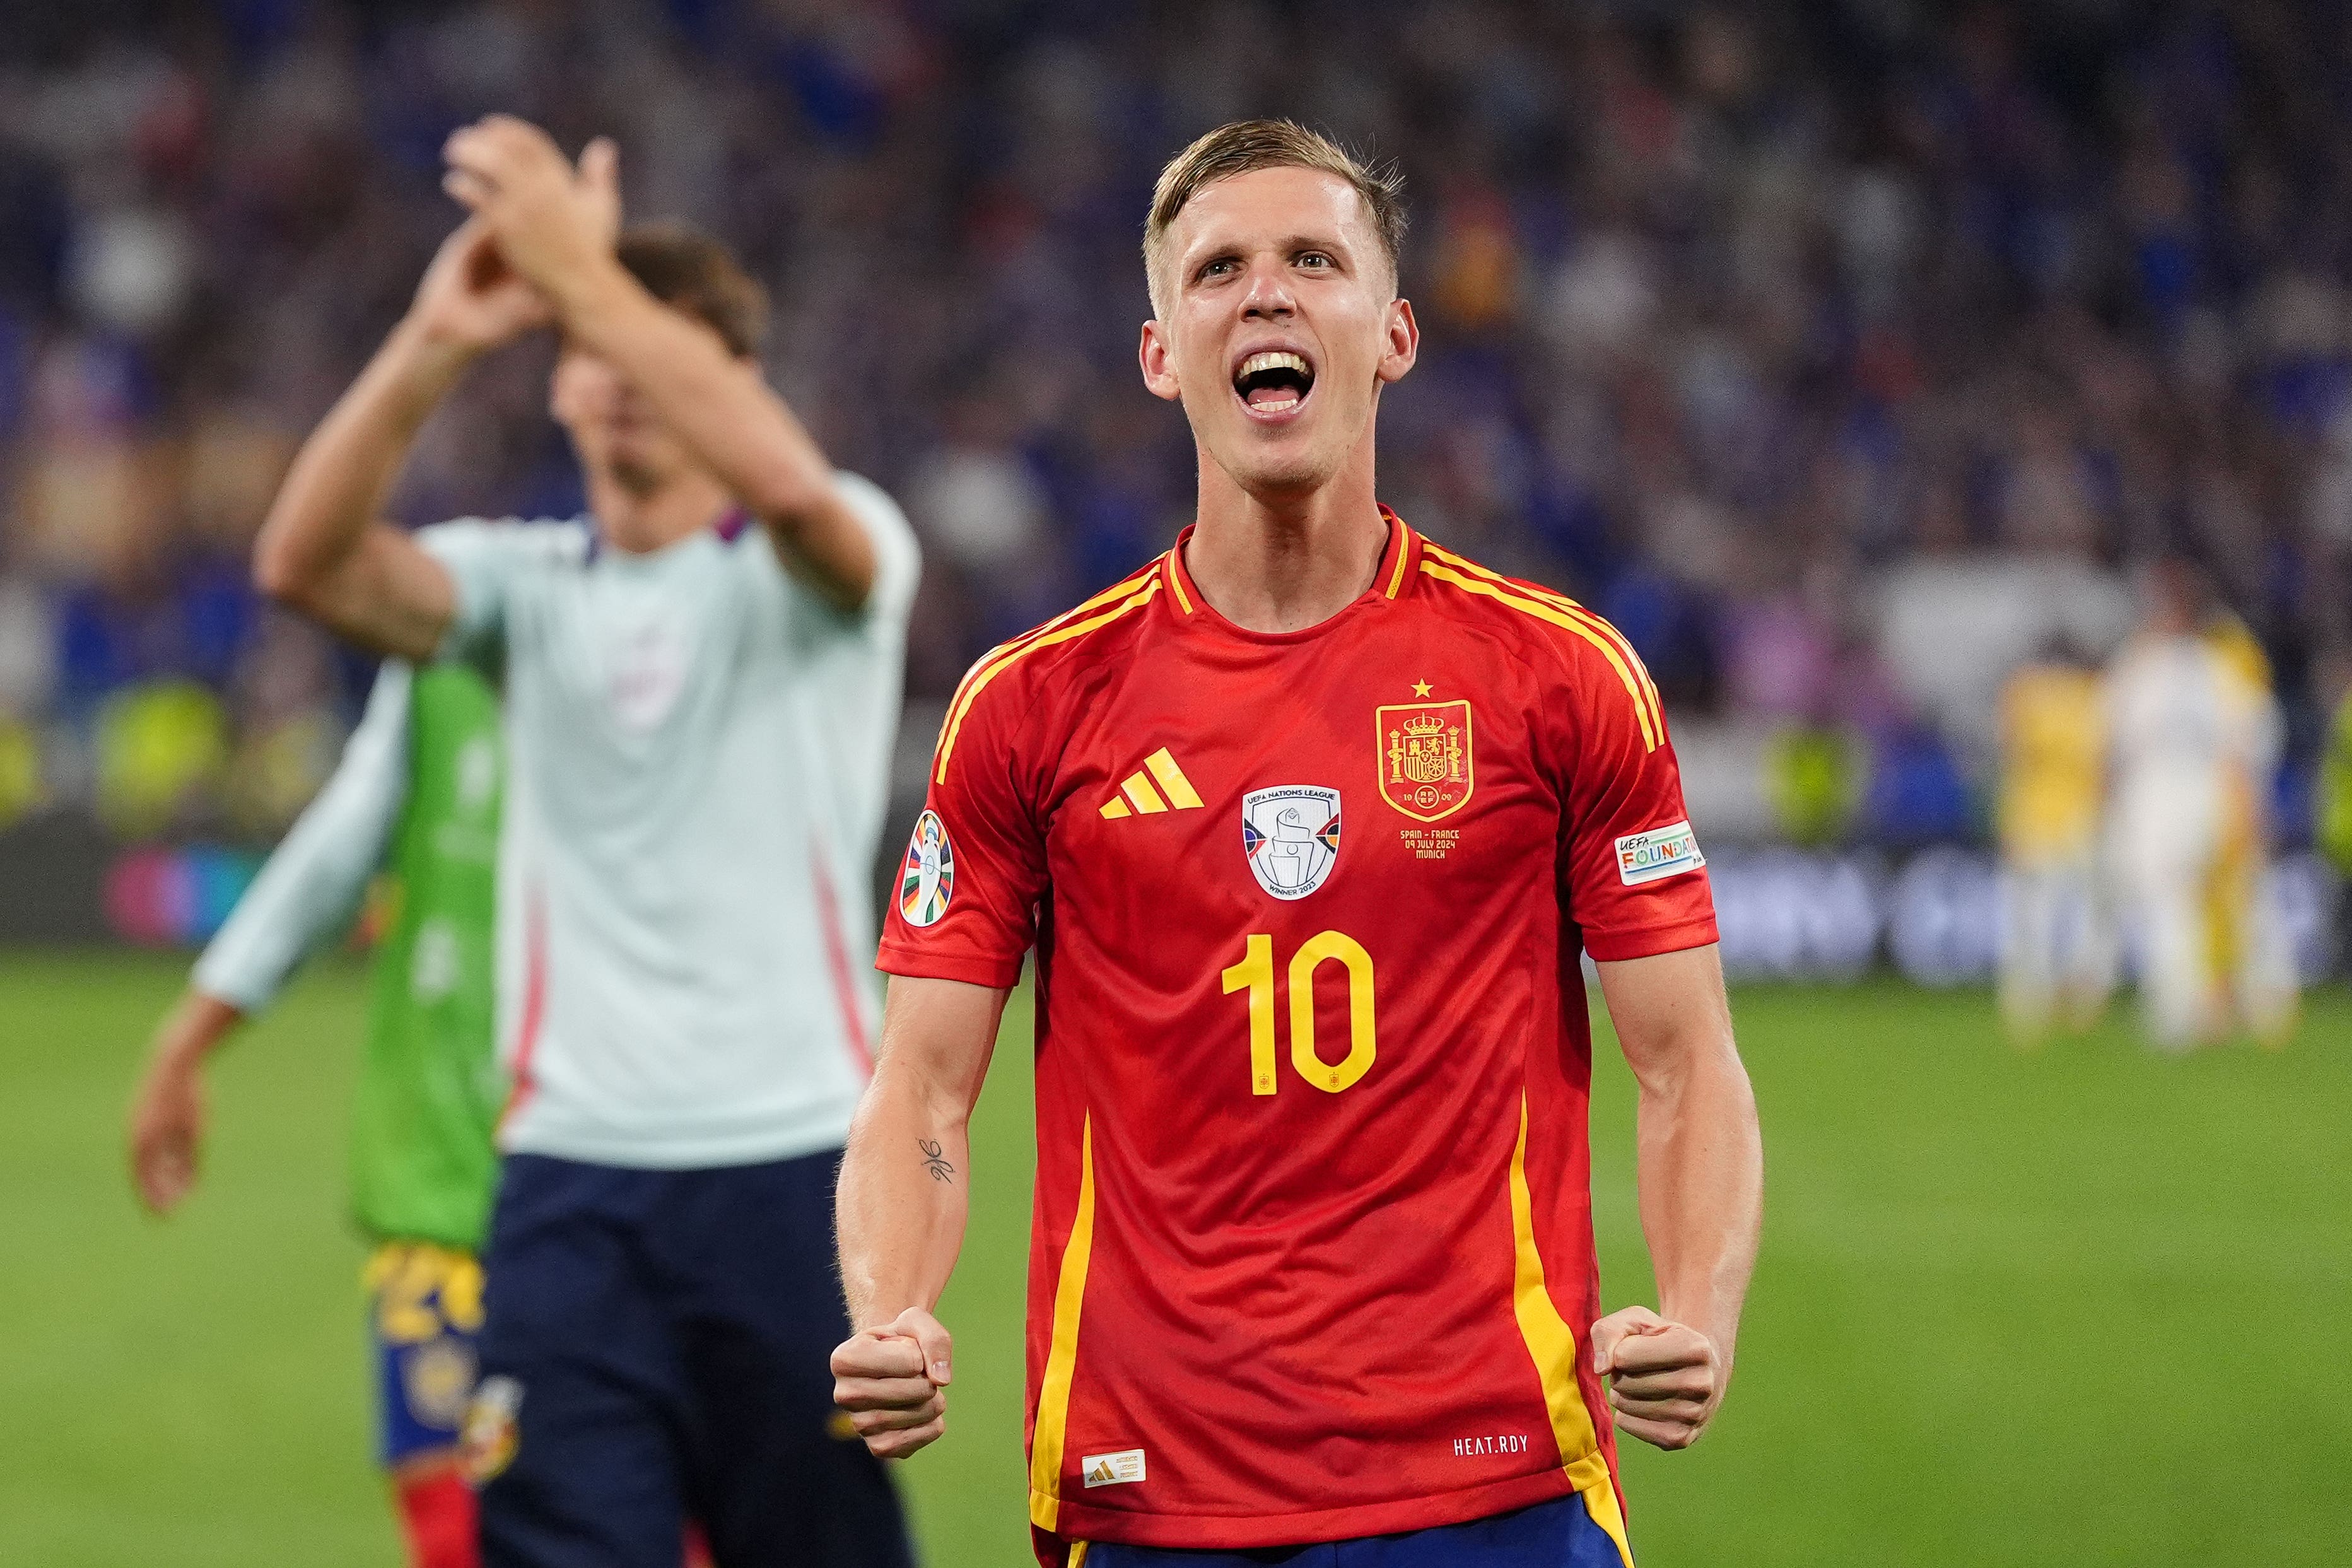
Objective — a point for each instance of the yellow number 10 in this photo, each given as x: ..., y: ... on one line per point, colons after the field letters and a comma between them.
x: 1255, y: 974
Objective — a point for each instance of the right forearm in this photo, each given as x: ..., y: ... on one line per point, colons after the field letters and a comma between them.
x: 336, y: 486
x: 902, y: 1203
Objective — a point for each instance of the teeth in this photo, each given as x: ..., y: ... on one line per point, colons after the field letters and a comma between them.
x: 1277, y: 360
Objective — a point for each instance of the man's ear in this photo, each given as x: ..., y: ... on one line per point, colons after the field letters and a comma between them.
x: 1403, y: 346
x: 1159, y: 364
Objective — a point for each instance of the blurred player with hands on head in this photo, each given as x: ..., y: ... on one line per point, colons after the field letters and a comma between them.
x: 1310, y: 822
x: 701, y: 680
x: 417, y: 792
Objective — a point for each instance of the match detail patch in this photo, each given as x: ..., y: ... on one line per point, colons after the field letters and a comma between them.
x: 926, y: 879
x: 1659, y: 853
x: 1113, y: 1469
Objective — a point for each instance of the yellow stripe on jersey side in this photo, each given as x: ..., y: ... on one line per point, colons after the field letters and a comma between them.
x: 1552, y: 1345
x: 1078, y: 1554
x: 1061, y: 1357
x: 1562, y: 602
x: 1651, y: 734
x: 978, y: 681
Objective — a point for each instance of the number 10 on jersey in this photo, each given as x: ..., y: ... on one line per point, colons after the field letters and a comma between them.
x: 1255, y: 974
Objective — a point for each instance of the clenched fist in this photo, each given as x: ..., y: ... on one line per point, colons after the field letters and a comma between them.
x: 892, y: 1381
x: 1666, y: 1378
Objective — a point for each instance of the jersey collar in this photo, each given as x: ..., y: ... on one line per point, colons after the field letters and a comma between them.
x: 1399, y: 562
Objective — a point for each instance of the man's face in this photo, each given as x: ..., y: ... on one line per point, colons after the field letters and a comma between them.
x: 614, y: 429
x: 1280, y: 325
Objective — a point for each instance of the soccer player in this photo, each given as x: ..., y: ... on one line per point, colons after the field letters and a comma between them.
x: 2056, y: 948
x: 2194, y: 737
x: 417, y: 790
x: 701, y: 680
x: 1312, y: 1256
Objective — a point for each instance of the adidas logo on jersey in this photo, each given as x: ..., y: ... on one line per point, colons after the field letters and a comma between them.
x: 1112, y: 1469
x: 1136, y: 794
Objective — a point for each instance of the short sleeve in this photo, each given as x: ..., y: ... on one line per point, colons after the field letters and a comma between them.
x: 963, y: 905
x: 1632, y: 874
x: 487, y: 563
x: 897, y: 559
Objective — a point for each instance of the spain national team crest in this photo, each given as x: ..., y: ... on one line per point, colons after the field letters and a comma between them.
x: 1290, y: 836
x: 1425, y: 763
x: 927, y: 881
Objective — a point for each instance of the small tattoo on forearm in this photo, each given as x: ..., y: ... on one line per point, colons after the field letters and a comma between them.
x: 935, y: 1161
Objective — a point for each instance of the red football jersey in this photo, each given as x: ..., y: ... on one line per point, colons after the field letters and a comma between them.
x: 1312, y: 1248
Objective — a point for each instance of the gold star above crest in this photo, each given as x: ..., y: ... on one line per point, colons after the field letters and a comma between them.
x: 1420, y: 689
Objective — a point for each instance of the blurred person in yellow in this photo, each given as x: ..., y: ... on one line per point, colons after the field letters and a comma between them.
x: 2058, y: 947
x: 2194, y: 737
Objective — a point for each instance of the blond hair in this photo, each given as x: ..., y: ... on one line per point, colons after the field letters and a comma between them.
x: 1246, y: 147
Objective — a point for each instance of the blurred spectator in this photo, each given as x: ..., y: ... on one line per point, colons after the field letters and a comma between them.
x: 1843, y: 354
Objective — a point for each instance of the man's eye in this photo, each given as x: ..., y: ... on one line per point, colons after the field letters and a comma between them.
x: 1214, y: 267
x: 1314, y: 258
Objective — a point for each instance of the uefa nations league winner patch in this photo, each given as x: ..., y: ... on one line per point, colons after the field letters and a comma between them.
x: 1661, y: 852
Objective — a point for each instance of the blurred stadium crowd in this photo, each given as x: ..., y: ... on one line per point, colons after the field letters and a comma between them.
x: 1843, y: 354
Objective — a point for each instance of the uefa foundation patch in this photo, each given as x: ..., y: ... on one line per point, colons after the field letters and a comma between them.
x: 1660, y: 853
x: 1119, y: 1469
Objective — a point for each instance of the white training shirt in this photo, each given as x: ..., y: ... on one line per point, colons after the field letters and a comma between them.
x: 698, y: 765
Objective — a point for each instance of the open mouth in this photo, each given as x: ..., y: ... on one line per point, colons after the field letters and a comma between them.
x: 1275, y: 381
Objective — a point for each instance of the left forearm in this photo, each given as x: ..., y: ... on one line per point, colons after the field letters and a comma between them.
x: 1702, y: 1180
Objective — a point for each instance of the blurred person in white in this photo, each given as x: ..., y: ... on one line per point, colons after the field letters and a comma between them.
x: 2193, y: 740
x: 2058, y: 948
x: 700, y: 681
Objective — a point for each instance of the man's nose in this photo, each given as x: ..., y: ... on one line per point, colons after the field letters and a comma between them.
x: 1269, y: 296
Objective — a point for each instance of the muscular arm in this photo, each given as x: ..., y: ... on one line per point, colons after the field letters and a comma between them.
x: 322, y: 550
x: 902, y: 1206
x: 1702, y: 1181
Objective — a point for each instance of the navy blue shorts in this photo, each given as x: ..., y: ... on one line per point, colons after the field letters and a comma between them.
x: 1556, y: 1534
x: 424, y: 1304
x: 656, y: 1348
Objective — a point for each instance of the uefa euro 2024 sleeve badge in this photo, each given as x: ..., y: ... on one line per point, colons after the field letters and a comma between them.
x: 1425, y: 763
x: 927, y: 881
x: 1290, y: 836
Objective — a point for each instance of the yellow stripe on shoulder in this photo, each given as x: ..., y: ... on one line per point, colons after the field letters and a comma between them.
x: 1176, y: 582
x: 1117, y: 590
x: 1550, y: 596
x: 1060, y: 630
x: 1636, y: 686
x: 1404, y: 555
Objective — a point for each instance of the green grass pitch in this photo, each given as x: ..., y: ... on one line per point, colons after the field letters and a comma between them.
x: 2086, y: 1306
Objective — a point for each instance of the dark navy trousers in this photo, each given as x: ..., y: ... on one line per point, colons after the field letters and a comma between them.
x: 1556, y: 1534
x: 655, y: 1350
